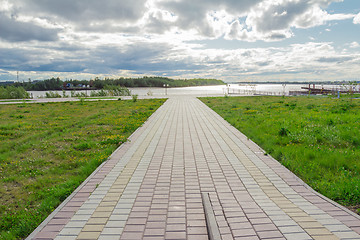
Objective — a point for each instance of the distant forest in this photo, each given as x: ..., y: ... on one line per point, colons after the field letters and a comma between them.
x: 57, y: 84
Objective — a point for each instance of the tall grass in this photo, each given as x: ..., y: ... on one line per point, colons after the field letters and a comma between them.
x: 317, y: 138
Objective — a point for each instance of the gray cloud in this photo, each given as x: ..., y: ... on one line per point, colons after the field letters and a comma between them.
x: 156, y: 23
x: 137, y: 57
x: 142, y: 57
x: 90, y: 10
x: 340, y: 59
x: 278, y: 36
x: 263, y: 63
x: 23, y: 59
x: 90, y: 15
x: 13, y: 30
x: 279, y: 17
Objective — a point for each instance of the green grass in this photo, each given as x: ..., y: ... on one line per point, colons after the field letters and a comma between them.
x: 317, y: 138
x: 48, y: 149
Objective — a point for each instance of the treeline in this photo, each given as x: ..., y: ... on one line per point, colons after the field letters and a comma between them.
x: 43, y: 85
x: 156, y: 82
x: 58, y: 84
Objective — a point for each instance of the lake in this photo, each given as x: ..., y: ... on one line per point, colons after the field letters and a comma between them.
x: 232, y: 89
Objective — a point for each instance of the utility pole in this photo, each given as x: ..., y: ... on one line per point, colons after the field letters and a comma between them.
x: 17, y: 76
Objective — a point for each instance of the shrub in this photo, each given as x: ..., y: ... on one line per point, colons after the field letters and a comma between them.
x: 134, y: 97
x: 11, y: 92
x: 52, y: 95
x: 283, y: 132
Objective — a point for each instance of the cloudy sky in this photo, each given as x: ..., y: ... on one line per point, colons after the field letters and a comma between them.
x: 232, y: 40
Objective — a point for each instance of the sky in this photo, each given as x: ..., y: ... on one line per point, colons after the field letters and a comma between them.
x: 231, y: 40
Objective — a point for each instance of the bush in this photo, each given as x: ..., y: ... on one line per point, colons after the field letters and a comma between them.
x: 52, y: 95
x: 117, y: 90
x: 134, y: 97
x: 11, y: 92
x: 283, y: 132
x: 111, y: 90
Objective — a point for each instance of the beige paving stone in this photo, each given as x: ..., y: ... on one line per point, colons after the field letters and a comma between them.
x: 325, y: 237
x: 104, y: 209
x: 88, y: 235
x: 317, y: 231
x: 101, y: 214
x: 302, y: 219
x: 97, y: 221
x: 108, y: 204
x: 312, y: 224
x: 93, y: 228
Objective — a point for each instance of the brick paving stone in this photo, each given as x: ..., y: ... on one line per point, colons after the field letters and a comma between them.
x: 265, y: 227
x: 197, y: 237
x: 53, y: 228
x: 175, y: 235
x: 131, y: 235
x: 244, y: 232
x: 46, y: 235
x: 112, y: 231
x: 176, y: 227
x: 196, y: 230
x: 154, y: 232
x: 247, y: 238
x: 269, y: 234
x: 153, y: 238
x: 297, y: 236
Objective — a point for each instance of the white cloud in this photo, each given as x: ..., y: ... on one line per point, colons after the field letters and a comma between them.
x: 357, y: 19
x: 354, y: 45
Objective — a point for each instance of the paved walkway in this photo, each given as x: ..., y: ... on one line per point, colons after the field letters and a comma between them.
x: 186, y: 157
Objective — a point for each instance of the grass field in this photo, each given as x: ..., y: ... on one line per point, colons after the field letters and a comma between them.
x: 318, y: 138
x: 47, y: 150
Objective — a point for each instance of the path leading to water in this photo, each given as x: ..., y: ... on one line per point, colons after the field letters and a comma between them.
x: 186, y: 157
